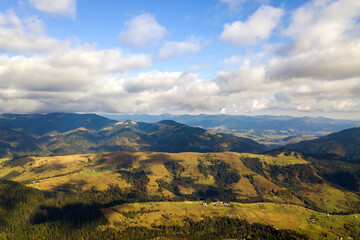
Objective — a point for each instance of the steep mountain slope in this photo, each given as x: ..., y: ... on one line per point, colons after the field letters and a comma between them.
x: 345, y: 143
x: 14, y: 143
x: 178, y: 137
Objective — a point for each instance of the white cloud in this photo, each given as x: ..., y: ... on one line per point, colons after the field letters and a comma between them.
x: 56, y: 7
x: 233, y: 4
x: 321, y: 24
x: 105, y: 61
x: 173, y: 49
x: 325, y: 43
x: 257, y: 28
x: 321, y: 75
x: 325, y: 96
x: 66, y: 70
x: 337, y: 62
x: 18, y: 35
x: 242, y: 79
x: 171, y: 91
x: 142, y: 30
x: 46, y: 90
x: 236, y: 4
x: 239, y: 60
x: 154, y: 81
x: 84, y: 84
x: 233, y: 60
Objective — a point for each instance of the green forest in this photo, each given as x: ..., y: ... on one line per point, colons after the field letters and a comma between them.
x: 27, y: 213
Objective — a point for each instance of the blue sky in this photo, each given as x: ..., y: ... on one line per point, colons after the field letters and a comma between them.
x: 163, y: 56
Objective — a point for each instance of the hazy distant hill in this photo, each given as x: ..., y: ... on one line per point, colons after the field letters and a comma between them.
x: 64, y: 133
x: 40, y: 124
x: 345, y: 143
x: 261, y: 128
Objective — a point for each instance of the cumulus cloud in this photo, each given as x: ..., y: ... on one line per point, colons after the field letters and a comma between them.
x: 326, y: 96
x: 325, y: 43
x: 105, y: 61
x: 66, y: 70
x: 24, y: 35
x: 173, y: 49
x: 153, y: 81
x: 44, y: 74
x: 56, y: 7
x: 258, y: 27
x: 321, y: 24
x: 55, y: 75
x: 242, y: 79
x: 83, y: 92
x: 248, y: 89
x: 81, y: 78
x: 56, y: 65
x: 337, y: 62
x: 141, y: 30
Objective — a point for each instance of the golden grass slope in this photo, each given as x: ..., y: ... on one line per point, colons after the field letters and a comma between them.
x: 283, y: 216
x: 86, y: 171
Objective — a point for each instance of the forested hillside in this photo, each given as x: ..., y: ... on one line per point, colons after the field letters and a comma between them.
x: 157, y: 194
x: 54, y: 134
x: 345, y: 143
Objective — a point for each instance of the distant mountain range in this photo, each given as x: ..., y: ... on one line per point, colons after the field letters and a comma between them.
x: 345, y: 143
x: 39, y: 124
x: 69, y: 133
x: 269, y: 130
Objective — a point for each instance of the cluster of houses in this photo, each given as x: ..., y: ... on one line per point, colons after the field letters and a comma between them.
x: 311, y: 220
x: 225, y: 204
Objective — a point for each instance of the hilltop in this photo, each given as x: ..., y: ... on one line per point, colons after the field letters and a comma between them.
x: 345, y: 143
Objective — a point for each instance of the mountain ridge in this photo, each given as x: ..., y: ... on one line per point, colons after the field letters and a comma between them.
x: 69, y: 133
x: 244, y: 123
x: 345, y: 143
x: 273, y: 131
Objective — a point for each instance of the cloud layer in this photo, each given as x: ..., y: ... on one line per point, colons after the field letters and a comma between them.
x: 314, y: 69
x: 24, y: 35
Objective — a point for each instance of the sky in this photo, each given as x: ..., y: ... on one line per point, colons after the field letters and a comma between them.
x: 243, y: 57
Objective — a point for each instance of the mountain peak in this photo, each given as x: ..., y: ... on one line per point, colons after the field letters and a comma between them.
x: 170, y: 123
